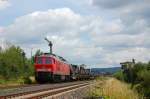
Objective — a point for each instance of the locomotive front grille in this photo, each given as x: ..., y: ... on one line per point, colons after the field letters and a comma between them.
x: 44, y: 76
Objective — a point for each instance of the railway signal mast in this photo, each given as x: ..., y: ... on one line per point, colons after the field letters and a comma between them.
x: 50, y: 45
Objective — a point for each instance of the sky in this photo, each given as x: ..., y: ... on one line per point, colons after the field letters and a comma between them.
x: 98, y: 33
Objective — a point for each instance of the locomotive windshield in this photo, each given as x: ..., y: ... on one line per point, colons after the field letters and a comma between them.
x: 48, y: 60
x: 44, y: 60
x: 39, y: 60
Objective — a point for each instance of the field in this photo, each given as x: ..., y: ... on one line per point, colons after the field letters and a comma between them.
x: 111, y: 88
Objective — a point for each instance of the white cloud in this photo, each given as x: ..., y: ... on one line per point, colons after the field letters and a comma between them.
x: 1, y: 30
x: 54, y: 21
x: 80, y: 38
x: 4, y: 4
x: 140, y: 54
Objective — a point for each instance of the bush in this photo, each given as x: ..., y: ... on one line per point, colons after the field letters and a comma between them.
x: 138, y: 76
x: 119, y: 75
x: 27, y: 80
x: 15, y: 65
x: 144, y: 76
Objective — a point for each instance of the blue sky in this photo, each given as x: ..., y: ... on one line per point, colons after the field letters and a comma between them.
x: 99, y: 33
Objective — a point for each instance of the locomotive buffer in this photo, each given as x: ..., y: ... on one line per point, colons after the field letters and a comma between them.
x: 50, y: 45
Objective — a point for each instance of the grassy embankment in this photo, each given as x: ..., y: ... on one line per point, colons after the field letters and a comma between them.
x: 15, y: 82
x: 111, y: 88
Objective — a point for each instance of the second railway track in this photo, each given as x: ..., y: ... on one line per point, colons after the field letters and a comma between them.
x: 42, y: 91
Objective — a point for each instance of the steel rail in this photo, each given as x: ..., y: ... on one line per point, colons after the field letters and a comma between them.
x: 43, y: 92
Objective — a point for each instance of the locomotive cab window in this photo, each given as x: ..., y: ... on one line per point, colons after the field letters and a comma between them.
x: 39, y: 60
x: 48, y: 60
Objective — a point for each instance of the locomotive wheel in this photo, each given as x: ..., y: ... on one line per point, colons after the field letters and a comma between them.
x: 56, y: 78
x: 67, y: 78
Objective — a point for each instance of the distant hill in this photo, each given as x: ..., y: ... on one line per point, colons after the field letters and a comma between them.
x: 110, y: 70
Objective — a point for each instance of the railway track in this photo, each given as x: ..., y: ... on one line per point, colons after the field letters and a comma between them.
x: 41, y: 91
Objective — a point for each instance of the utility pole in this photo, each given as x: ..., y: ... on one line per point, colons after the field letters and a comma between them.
x: 31, y: 56
x: 23, y: 57
x: 50, y: 45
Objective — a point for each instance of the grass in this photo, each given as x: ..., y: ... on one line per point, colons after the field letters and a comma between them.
x: 112, y: 88
x: 15, y: 82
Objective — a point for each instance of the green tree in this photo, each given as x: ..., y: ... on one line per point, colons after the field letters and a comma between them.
x: 119, y: 75
x: 144, y: 87
x: 38, y: 52
x: 141, y: 78
x: 13, y: 63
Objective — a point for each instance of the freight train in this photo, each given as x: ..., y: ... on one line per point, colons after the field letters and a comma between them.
x: 52, y: 68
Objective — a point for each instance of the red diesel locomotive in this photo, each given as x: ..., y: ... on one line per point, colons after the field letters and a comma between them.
x: 49, y: 67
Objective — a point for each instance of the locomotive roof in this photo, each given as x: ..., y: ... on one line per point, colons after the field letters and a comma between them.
x: 55, y: 56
